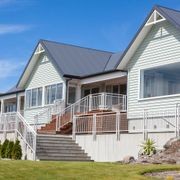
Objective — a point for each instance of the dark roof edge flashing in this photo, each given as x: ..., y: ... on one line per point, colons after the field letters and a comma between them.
x: 9, y: 93
x: 92, y: 75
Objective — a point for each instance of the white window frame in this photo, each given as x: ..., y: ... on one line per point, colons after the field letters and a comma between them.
x: 32, y: 107
x: 141, y: 98
x: 48, y: 104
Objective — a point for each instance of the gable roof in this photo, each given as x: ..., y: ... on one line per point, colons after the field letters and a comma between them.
x: 79, y: 61
x: 171, y: 15
x: 73, y: 61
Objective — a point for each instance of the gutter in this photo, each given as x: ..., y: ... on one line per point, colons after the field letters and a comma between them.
x: 92, y: 75
x: 9, y: 93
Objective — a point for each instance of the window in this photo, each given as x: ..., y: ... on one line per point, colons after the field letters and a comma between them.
x: 115, y: 89
x: 34, y: 97
x: 53, y: 92
x: 123, y: 89
x: 11, y: 107
x: 71, y: 95
x: 87, y: 92
x: 160, y: 81
x: 95, y: 90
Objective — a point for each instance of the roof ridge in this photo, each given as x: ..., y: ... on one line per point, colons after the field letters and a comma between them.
x: 159, y: 6
x: 107, y: 62
x: 76, y: 46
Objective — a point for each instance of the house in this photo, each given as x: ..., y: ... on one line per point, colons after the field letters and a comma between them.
x: 108, y: 103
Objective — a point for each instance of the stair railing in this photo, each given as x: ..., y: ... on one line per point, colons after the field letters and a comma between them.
x: 15, y: 122
x: 99, y: 101
x: 46, y: 115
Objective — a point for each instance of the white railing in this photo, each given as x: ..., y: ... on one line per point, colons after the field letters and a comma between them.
x: 46, y: 115
x: 100, y: 101
x: 7, y: 122
x: 15, y: 122
x: 158, y: 120
x: 97, y: 124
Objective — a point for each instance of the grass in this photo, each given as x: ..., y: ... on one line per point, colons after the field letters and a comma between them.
x: 76, y: 170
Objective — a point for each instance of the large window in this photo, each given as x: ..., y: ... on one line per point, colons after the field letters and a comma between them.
x: 160, y: 81
x: 34, y: 97
x: 53, y: 92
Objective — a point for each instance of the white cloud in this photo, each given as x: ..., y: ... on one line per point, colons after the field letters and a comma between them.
x: 9, y: 68
x: 13, y: 28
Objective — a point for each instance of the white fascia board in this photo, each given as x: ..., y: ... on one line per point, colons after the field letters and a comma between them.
x: 103, y: 77
x: 132, y: 49
x: 137, y: 41
x: 10, y: 96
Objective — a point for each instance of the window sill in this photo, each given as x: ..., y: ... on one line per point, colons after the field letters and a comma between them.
x: 159, y: 97
x: 35, y: 107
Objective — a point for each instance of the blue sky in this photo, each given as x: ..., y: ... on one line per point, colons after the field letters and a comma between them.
x: 102, y: 24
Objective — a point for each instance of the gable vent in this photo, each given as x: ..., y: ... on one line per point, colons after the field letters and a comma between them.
x: 156, y: 17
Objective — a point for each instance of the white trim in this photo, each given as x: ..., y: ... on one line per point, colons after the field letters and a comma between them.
x: 62, y: 83
x: 154, y: 15
x: 140, y: 98
x: 159, y: 97
x: 103, y: 77
x: 136, y: 42
x: 39, y: 49
x: 31, y: 107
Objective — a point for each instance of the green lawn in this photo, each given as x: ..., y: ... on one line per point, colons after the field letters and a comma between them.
x: 76, y: 170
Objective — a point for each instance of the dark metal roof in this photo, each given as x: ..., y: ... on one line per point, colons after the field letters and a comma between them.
x: 79, y: 61
x: 113, y: 61
x: 173, y: 16
x: 13, y: 90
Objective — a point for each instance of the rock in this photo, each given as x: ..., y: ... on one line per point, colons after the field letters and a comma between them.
x: 170, y: 155
x: 128, y: 159
x: 169, y: 143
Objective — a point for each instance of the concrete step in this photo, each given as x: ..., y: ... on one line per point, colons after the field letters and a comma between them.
x: 59, y: 148
x: 57, y: 140
x: 53, y: 143
x: 67, y: 158
x: 62, y: 154
x: 54, y: 151
x: 57, y: 145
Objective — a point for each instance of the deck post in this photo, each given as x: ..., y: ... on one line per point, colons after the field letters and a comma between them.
x: 144, y: 124
x: 16, y: 128
x: 94, y: 127
x: 74, y: 128
x: 118, y: 121
x: 177, y: 124
x: 5, y: 126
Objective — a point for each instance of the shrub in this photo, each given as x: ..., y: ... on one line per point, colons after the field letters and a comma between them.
x: 9, y: 149
x: 0, y: 148
x: 148, y: 147
x: 17, y: 151
x: 3, y: 149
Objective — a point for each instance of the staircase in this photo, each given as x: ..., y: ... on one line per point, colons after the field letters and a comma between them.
x: 59, y: 148
x: 89, y: 105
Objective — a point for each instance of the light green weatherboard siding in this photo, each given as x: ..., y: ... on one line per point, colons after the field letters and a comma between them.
x: 161, y: 46
x: 43, y: 74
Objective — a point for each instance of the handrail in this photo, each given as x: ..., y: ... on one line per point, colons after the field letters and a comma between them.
x: 26, y: 132
x: 48, y: 112
x: 15, y: 122
x: 91, y: 102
